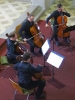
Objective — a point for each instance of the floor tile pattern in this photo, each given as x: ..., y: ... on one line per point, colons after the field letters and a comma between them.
x: 67, y: 5
x: 10, y: 10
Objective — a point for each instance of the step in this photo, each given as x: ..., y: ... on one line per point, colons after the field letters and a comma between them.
x: 3, y: 50
x: 31, y: 9
x: 2, y: 42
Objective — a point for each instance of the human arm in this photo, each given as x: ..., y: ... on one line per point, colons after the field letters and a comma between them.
x: 66, y: 13
x: 16, y: 66
x: 48, y: 18
x: 22, y: 29
x: 33, y: 69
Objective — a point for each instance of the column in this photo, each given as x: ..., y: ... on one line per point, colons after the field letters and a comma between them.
x: 74, y: 3
x: 43, y: 3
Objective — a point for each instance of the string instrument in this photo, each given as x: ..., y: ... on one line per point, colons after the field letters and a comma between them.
x: 37, y: 75
x: 20, y: 49
x: 38, y: 38
x: 62, y: 21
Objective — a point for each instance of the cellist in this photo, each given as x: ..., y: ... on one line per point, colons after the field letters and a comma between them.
x: 26, y: 25
x: 25, y: 73
x: 55, y: 15
x: 11, y: 48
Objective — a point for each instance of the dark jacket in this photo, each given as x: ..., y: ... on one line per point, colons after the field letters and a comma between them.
x: 11, y: 51
x: 55, y: 15
x: 24, y: 31
x: 25, y: 72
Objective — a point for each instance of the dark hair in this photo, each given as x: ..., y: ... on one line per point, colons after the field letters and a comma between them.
x: 26, y: 56
x: 12, y: 34
x: 59, y: 5
x: 29, y: 15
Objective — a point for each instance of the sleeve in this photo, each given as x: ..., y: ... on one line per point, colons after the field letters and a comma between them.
x: 16, y: 66
x: 12, y: 49
x: 67, y: 14
x: 33, y: 69
x: 51, y: 16
x: 22, y: 29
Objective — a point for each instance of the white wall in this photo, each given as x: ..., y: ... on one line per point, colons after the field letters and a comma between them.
x: 43, y: 3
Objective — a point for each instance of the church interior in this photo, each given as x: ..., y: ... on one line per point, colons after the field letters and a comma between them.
x: 13, y: 13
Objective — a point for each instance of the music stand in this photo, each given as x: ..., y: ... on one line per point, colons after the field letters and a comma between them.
x: 44, y: 49
x: 55, y: 59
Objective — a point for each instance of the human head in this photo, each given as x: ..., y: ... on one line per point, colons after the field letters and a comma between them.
x: 31, y: 17
x: 11, y: 35
x: 59, y: 7
x: 26, y: 56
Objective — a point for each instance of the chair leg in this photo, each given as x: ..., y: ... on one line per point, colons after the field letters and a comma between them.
x: 14, y: 94
x: 27, y: 96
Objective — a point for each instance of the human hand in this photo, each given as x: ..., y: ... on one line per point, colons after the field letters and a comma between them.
x: 40, y: 65
x: 25, y: 40
x: 63, y: 10
x: 46, y: 25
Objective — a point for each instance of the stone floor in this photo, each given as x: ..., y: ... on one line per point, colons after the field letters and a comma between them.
x: 67, y: 5
x: 11, y: 10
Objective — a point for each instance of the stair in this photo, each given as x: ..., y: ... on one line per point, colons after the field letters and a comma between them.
x: 3, y: 48
x: 34, y: 9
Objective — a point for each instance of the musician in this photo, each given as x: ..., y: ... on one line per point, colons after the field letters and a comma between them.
x: 55, y: 15
x: 25, y: 72
x: 26, y: 34
x: 11, y: 49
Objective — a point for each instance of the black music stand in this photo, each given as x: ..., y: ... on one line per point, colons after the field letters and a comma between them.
x: 55, y: 60
x: 45, y: 49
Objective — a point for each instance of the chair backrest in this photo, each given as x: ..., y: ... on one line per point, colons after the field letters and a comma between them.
x: 17, y: 30
x: 16, y: 86
x: 4, y: 60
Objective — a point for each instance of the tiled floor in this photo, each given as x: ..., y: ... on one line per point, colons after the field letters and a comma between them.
x: 10, y: 10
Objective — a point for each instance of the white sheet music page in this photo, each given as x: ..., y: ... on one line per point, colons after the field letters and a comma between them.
x: 55, y: 59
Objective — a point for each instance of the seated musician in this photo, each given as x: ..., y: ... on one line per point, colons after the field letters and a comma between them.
x: 26, y: 25
x: 25, y: 73
x: 55, y: 15
x: 11, y: 49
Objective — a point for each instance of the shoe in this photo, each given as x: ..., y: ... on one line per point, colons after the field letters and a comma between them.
x: 41, y: 97
x: 57, y: 43
x: 67, y: 40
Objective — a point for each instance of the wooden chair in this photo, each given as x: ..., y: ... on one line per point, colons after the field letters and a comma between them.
x: 18, y: 35
x: 17, y: 30
x: 4, y: 62
x: 21, y: 90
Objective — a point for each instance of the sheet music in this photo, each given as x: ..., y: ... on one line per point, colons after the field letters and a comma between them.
x: 55, y: 59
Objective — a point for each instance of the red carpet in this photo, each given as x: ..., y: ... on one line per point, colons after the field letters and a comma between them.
x: 64, y: 86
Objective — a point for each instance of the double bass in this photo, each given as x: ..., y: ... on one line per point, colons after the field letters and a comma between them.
x: 62, y: 21
x: 38, y: 38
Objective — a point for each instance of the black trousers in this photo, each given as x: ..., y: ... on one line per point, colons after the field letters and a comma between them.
x: 32, y: 46
x: 12, y: 60
x: 55, y: 34
x: 40, y: 84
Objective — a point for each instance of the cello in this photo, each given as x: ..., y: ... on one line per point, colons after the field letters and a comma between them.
x: 62, y: 21
x: 38, y: 38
